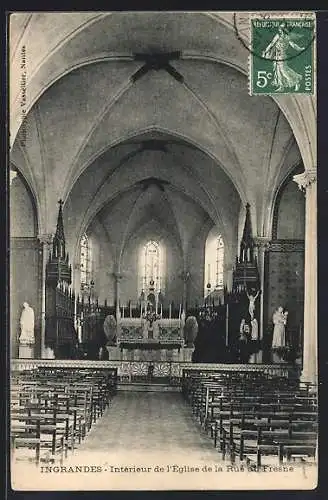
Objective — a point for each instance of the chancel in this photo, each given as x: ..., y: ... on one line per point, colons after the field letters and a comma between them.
x: 162, y: 231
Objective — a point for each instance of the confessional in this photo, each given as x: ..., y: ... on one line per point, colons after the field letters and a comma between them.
x: 60, y: 333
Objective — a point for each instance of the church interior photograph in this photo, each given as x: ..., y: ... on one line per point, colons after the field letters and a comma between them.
x: 163, y: 269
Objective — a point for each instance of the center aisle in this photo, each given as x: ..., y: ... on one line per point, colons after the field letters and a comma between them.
x: 150, y: 421
x: 149, y: 441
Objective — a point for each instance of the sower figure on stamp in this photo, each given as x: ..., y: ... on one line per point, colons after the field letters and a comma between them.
x: 283, y: 75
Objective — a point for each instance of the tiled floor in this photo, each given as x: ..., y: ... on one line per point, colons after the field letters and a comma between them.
x: 149, y: 441
x: 149, y: 421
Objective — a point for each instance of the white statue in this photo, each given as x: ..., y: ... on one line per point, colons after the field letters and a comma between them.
x: 27, y: 325
x: 183, y: 318
x: 279, y: 331
x: 255, y: 329
x: 251, y: 307
x: 144, y: 324
x: 49, y: 353
x: 110, y: 328
x: 242, y: 326
x: 155, y: 330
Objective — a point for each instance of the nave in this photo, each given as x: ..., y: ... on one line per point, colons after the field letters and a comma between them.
x: 151, y: 242
x: 150, y: 422
x: 79, y: 426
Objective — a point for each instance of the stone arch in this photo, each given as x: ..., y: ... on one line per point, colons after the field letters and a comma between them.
x: 23, y: 207
x: 288, y: 184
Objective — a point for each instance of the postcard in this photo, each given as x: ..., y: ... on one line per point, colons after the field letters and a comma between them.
x: 163, y: 268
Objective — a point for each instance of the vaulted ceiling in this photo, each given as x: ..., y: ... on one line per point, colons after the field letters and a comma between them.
x: 126, y: 138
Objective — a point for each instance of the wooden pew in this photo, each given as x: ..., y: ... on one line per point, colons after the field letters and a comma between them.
x: 57, y: 406
x: 38, y: 435
x: 225, y: 403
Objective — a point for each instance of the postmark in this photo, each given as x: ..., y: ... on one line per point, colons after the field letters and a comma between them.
x: 282, y: 56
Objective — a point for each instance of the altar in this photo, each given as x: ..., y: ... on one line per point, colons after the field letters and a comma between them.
x: 150, y: 338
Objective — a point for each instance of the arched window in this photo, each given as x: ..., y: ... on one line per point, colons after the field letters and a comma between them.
x: 214, y: 263
x: 151, y: 266
x: 85, y: 261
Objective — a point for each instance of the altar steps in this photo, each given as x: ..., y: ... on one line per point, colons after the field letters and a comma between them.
x: 146, y: 387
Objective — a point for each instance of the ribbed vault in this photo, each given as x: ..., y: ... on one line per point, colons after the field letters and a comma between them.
x: 116, y: 99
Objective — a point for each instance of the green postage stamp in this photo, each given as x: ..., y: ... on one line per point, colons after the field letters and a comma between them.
x: 282, y: 58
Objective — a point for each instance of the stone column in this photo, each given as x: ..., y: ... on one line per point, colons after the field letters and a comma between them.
x: 185, y: 276
x: 262, y: 245
x: 46, y: 241
x: 13, y: 175
x: 118, y: 278
x: 228, y: 274
x: 307, y: 182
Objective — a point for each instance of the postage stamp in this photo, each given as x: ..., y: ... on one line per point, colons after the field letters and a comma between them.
x: 282, y: 55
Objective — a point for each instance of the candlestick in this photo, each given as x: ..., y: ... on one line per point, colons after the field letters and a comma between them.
x: 75, y: 314
x: 161, y: 310
x: 180, y: 311
x: 170, y: 311
x: 227, y: 325
x: 130, y: 310
x: 123, y: 312
x: 79, y: 332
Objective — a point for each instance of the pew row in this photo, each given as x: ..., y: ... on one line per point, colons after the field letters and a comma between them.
x: 52, y: 410
x: 253, y: 416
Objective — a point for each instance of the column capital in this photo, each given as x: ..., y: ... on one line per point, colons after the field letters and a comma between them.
x: 45, y: 238
x: 305, y: 179
x: 13, y: 175
x: 262, y: 242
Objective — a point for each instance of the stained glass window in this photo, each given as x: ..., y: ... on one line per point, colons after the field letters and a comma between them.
x: 152, y: 266
x: 85, y: 260
x: 214, y: 263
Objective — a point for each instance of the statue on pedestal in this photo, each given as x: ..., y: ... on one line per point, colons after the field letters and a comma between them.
x: 49, y: 353
x: 151, y: 297
x: 27, y: 325
x: 110, y: 329
x: 150, y: 327
x: 254, y: 329
x: 242, y: 326
x: 255, y: 343
x: 190, y: 331
x: 279, y: 331
x: 243, y: 342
